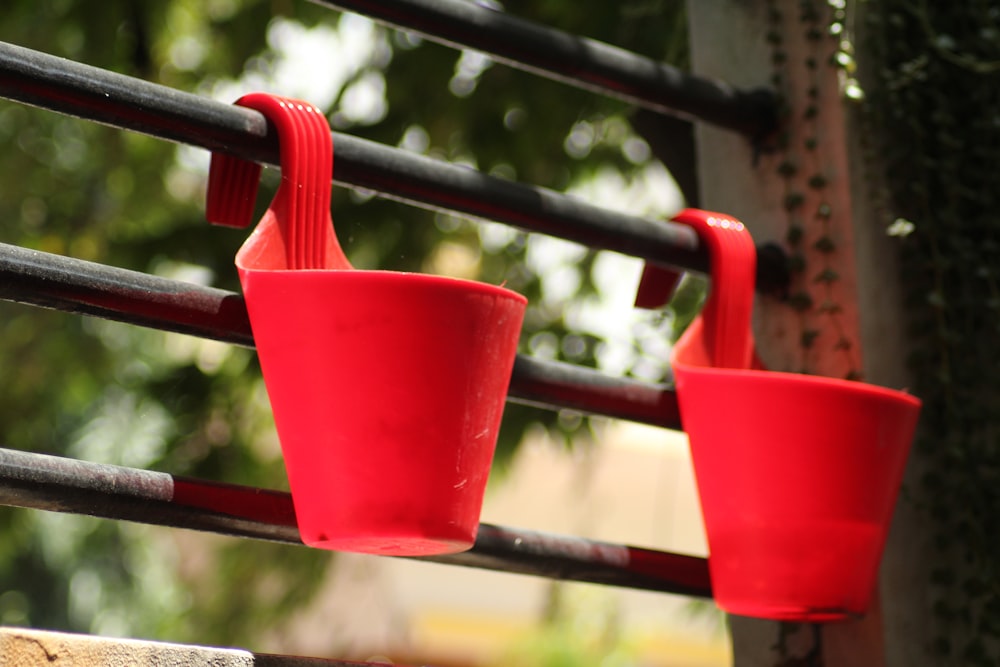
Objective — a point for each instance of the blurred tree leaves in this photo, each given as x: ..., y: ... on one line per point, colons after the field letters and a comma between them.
x: 107, y: 392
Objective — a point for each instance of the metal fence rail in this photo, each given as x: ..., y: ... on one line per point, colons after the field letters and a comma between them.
x: 89, y: 92
x: 50, y: 483
x: 46, y: 482
x: 73, y: 285
x: 577, y: 61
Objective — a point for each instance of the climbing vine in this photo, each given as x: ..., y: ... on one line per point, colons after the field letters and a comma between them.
x: 932, y: 128
x: 934, y: 107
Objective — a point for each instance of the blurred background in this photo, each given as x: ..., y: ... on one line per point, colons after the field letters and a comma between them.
x: 111, y: 393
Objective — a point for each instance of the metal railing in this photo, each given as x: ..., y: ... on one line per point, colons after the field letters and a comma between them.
x: 59, y: 484
x: 577, y: 61
x: 114, y: 99
x: 51, y: 281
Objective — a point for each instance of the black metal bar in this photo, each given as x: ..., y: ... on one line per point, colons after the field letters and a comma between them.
x: 107, y: 97
x: 87, y: 92
x: 577, y: 61
x: 553, y: 384
x: 420, y: 180
x: 73, y: 285
x: 77, y: 286
x: 58, y: 484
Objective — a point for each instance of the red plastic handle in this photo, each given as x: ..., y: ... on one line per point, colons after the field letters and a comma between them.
x: 726, y: 316
x: 733, y: 262
x: 302, y: 202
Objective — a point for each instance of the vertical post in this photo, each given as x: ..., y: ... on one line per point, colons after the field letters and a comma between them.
x: 809, y: 190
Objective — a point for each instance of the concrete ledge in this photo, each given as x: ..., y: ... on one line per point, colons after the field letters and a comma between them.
x: 22, y: 647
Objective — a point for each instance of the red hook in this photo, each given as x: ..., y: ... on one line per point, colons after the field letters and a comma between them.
x: 724, y: 323
x: 301, y: 207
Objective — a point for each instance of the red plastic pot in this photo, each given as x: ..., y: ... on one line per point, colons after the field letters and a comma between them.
x: 387, y: 388
x: 797, y: 475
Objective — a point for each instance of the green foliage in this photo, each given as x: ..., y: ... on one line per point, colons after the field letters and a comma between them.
x: 112, y: 393
x: 580, y: 630
x: 935, y: 109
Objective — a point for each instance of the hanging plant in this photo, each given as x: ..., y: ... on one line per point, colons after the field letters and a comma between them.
x: 934, y: 106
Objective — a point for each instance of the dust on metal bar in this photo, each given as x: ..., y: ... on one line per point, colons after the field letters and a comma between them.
x: 59, y: 484
x: 73, y: 285
x: 577, y: 61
